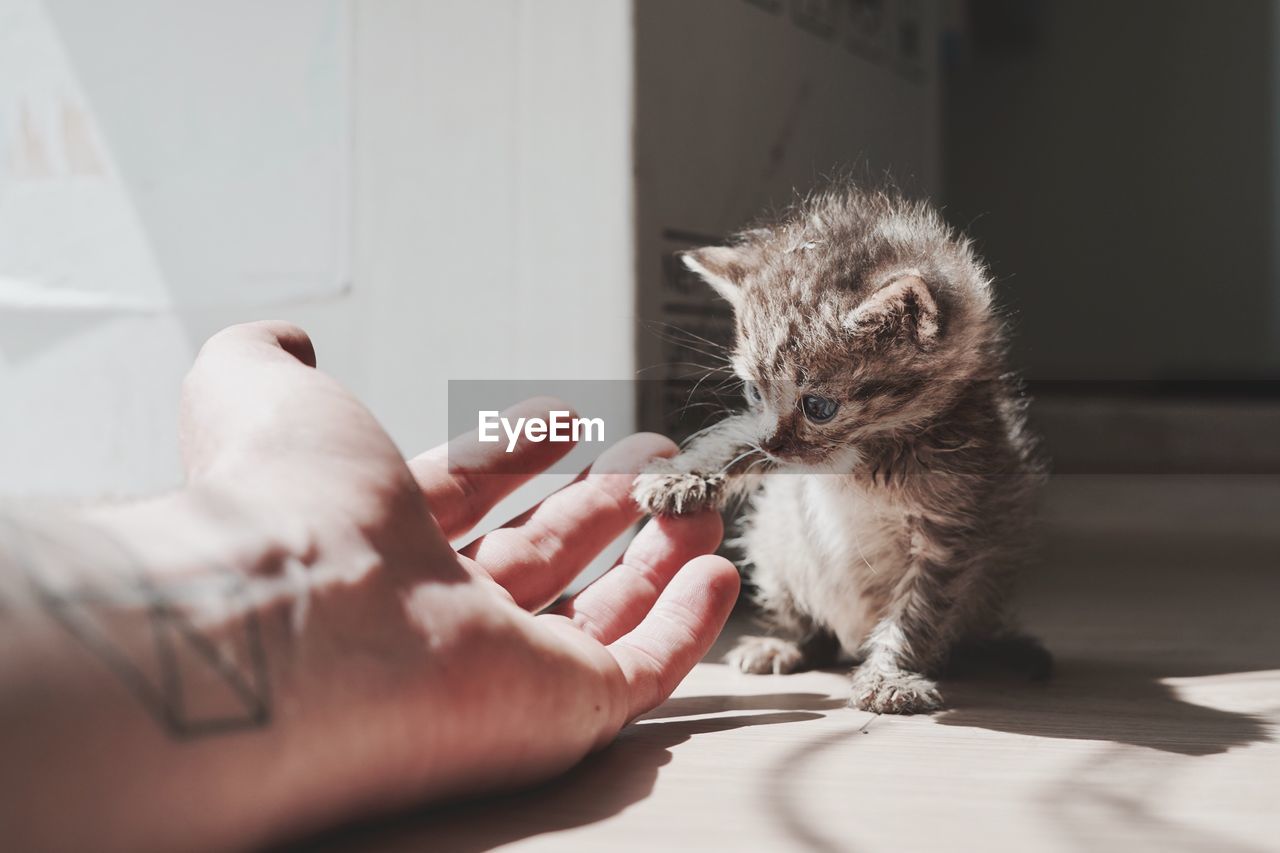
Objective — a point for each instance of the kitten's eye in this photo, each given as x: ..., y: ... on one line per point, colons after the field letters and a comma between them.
x: 818, y: 409
x: 752, y: 390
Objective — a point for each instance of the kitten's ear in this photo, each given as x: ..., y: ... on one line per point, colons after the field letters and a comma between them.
x: 904, y: 309
x: 722, y: 267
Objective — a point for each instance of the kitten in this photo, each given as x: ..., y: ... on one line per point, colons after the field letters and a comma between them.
x: 884, y: 441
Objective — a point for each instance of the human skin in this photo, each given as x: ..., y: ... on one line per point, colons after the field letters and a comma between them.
x: 308, y: 565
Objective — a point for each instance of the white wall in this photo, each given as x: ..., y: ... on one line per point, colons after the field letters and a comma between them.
x: 490, y: 225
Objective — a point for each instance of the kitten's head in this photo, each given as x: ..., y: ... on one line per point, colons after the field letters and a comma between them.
x: 858, y: 315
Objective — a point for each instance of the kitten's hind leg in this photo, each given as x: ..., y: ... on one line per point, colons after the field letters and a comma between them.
x: 764, y: 655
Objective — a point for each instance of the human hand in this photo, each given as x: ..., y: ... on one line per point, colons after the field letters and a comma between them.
x: 408, y: 670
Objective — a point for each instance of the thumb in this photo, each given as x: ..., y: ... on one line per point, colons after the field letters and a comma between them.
x: 241, y: 379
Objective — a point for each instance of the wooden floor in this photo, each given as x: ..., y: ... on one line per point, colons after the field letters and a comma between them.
x: 1158, y: 732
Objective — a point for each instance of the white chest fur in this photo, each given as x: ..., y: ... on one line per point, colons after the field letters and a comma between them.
x: 829, y: 546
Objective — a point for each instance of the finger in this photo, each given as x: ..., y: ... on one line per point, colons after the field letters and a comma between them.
x: 537, y: 554
x: 464, y: 479
x: 620, y: 598
x: 688, y: 616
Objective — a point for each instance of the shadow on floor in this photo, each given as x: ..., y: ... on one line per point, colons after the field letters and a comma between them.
x: 603, y: 785
x: 785, y: 805
x: 1123, y: 615
x: 1089, y: 699
x: 685, y: 706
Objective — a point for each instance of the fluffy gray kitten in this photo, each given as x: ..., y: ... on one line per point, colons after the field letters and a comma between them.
x: 884, y: 445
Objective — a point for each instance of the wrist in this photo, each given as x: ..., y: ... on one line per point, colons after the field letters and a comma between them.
x: 127, y: 628
x: 190, y: 530
x: 343, y: 702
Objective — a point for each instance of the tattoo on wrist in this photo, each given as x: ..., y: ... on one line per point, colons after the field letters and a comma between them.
x: 188, y: 647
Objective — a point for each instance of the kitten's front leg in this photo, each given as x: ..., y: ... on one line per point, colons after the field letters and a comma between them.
x: 883, y: 686
x: 909, y: 641
x: 780, y: 656
x: 706, y: 474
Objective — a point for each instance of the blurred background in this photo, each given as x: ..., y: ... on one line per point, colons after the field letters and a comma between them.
x: 442, y: 189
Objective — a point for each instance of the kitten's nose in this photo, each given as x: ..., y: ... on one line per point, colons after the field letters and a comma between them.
x: 781, y: 438
x: 774, y: 443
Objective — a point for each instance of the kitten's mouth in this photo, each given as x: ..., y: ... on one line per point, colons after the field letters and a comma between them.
x: 758, y: 457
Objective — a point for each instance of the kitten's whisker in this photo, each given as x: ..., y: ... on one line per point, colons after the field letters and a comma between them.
x: 698, y: 337
x: 684, y: 331
x: 696, y: 385
x: 686, y: 347
x: 696, y: 435
x: 689, y: 405
x: 738, y: 459
x: 698, y: 351
x: 686, y: 342
x: 706, y: 367
x: 767, y: 455
x: 857, y: 540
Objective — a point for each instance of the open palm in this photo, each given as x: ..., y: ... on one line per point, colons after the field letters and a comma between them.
x: 442, y: 661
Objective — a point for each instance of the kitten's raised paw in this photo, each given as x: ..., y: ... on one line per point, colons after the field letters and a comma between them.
x: 663, y: 490
x: 764, y: 655
x: 894, y: 692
